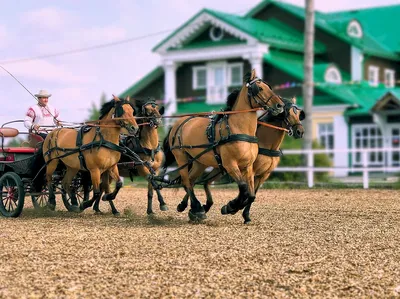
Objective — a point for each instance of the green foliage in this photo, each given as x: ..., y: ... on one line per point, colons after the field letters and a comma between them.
x: 94, y: 112
x: 320, y: 160
x: 15, y: 142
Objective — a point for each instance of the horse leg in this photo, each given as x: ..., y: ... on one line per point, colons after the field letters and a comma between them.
x: 183, y: 204
x: 245, y: 181
x: 163, y: 205
x: 196, y: 212
x: 114, y: 175
x: 50, y: 168
x: 104, y: 187
x: 118, y: 184
x: 66, y: 183
x: 149, y: 198
x: 258, y: 181
x: 96, y: 178
x: 209, y: 201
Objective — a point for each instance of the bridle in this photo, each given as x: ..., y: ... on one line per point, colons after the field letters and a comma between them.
x: 253, y: 91
x: 289, y: 105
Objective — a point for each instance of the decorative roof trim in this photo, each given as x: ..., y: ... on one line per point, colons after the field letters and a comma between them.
x: 198, y: 23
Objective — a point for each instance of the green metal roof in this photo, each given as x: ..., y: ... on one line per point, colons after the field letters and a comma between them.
x: 379, y: 24
x: 361, y: 95
x: 144, y: 82
x: 273, y: 32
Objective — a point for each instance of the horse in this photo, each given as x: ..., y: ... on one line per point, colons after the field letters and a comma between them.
x: 148, y: 148
x: 95, y: 151
x: 270, y: 132
x: 230, y: 144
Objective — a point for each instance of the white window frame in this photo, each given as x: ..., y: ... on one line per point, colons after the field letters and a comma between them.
x: 195, y: 69
x: 369, y: 139
x: 375, y: 80
x: 389, y: 83
x: 326, y: 133
x: 229, y: 73
x: 354, y: 24
x: 333, y: 71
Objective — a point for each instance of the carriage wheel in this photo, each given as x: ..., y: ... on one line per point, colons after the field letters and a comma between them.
x: 82, y: 194
x: 12, y: 195
x: 41, y: 202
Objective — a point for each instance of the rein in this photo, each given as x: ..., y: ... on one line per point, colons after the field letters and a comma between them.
x: 272, y: 126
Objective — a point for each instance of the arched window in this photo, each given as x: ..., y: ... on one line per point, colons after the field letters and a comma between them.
x: 332, y: 75
x: 354, y: 29
x: 216, y: 33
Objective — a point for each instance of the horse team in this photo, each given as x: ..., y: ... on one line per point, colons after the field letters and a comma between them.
x: 235, y: 142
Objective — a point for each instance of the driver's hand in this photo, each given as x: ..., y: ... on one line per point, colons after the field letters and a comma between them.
x: 35, y: 128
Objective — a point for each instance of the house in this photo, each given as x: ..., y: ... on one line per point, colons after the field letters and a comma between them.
x: 357, y: 58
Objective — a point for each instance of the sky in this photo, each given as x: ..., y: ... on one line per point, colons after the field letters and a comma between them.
x: 31, y: 28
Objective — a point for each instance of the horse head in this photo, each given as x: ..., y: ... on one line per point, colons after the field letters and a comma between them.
x: 293, y: 116
x: 125, y: 112
x: 261, y: 93
x: 151, y: 111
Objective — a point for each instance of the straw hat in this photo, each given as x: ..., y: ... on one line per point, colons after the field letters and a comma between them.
x: 43, y: 94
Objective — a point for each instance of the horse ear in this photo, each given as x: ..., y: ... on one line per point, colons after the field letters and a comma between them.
x: 294, y: 100
x: 161, y: 110
x: 127, y: 98
x: 302, y: 115
x: 253, y: 74
x: 116, y: 98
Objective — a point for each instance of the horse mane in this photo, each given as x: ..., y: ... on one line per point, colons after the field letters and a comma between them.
x: 230, y: 101
x: 139, y: 103
x: 107, y: 106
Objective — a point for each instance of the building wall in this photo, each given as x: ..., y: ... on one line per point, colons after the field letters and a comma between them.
x: 382, y: 64
x: 155, y: 89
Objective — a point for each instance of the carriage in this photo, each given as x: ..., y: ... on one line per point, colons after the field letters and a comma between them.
x: 22, y: 175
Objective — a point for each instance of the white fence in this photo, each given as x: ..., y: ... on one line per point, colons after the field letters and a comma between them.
x: 365, y: 169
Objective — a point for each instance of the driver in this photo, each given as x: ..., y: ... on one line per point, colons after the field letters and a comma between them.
x: 41, y: 115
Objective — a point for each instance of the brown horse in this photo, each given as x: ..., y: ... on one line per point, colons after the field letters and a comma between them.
x: 270, y: 139
x: 95, y: 151
x: 146, y: 145
x: 230, y: 144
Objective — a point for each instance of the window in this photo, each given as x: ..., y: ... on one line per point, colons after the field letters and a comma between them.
x: 235, y: 74
x: 354, y: 29
x: 326, y: 136
x: 389, y: 78
x: 368, y: 136
x: 373, y: 75
x: 332, y: 75
x: 199, y: 77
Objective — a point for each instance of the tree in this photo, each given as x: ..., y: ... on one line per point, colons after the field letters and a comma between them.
x: 94, y: 112
x: 308, y: 87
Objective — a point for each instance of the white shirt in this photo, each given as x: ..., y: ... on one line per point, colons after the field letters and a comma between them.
x: 41, y: 116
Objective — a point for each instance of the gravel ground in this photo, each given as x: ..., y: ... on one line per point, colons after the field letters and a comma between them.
x: 305, y: 243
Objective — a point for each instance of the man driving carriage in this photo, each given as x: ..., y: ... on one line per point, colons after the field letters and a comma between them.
x: 41, y: 115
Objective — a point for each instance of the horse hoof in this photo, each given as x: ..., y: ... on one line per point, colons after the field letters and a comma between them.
x: 98, y: 212
x: 164, y: 208
x: 75, y: 209
x: 197, y: 217
x: 206, y: 208
x: 225, y: 210
x: 117, y: 214
x: 52, y: 207
x: 180, y: 208
x: 106, y: 198
x: 84, y: 205
x: 150, y: 213
x: 247, y: 221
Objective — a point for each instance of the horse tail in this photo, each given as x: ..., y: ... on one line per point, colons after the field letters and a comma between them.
x: 169, y: 156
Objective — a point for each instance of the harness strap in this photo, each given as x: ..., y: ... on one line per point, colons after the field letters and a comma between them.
x: 269, y: 152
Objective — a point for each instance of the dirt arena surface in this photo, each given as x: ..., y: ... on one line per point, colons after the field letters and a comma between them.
x: 305, y: 243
